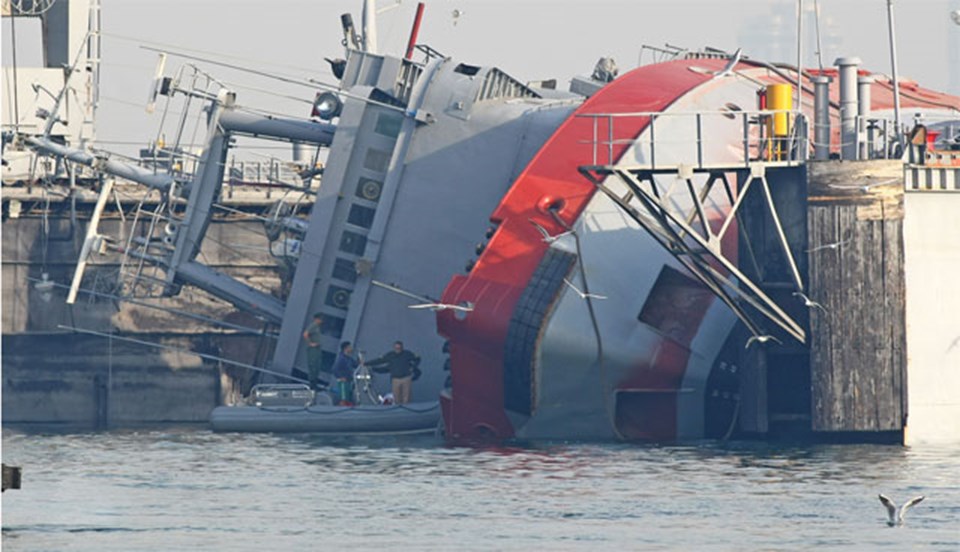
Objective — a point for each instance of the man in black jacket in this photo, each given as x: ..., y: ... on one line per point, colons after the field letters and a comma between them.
x: 403, y: 368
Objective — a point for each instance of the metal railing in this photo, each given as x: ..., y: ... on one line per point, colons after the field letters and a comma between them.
x: 767, y: 136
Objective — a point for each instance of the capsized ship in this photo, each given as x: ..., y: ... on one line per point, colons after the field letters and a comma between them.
x: 605, y: 302
x: 602, y: 300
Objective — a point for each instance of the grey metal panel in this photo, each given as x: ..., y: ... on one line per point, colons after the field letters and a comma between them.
x: 204, y: 188
x: 386, y: 202
x: 447, y: 173
x: 275, y: 127
x: 231, y: 290
x: 315, y: 241
x: 454, y: 177
x: 330, y: 420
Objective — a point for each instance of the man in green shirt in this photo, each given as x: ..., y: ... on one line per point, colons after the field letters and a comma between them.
x: 312, y: 336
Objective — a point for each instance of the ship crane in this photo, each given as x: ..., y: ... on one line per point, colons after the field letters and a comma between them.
x: 185, y: 232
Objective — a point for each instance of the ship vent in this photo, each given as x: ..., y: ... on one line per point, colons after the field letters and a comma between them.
x: 497, y: 84
x: 531, y: 311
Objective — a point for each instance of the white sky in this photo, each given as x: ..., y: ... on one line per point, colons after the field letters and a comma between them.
x: 530, y: 39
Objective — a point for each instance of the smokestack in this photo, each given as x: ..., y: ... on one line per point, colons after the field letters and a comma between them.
x: 847, y: 67
x: 863, y: 110
x: 821, y: 118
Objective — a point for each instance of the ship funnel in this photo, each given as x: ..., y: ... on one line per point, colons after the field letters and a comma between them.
x: 863, y: 111
x: 847, y: 68
x: 821, y: 120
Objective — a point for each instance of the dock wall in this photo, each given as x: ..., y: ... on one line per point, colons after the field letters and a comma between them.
x: 52, y: 376
x: 856, y: 276
x: 932, y: 254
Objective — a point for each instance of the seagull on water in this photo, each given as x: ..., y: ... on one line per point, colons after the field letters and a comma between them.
x: 466, y: 307
x: 547, y: 237
x: 833, y: 245
x: 581, y: 293
x: 761, y: 339
x: 728, y: 68
x: 895, y: 514
x: 807, y: 302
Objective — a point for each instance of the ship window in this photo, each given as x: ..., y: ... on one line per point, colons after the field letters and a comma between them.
x: 351, y: 242
x: 388, y: 124
x: 369, y: 189
x: 332, y: 326
x: 465, y: 69
x: 676, y: 305
x: 376, y: 160
x: 338, y: 297
x: 361, y: 216
x: 344, y: 269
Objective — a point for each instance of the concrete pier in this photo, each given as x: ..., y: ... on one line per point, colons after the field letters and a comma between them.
x: 54, y: 377
x: 932, y: 266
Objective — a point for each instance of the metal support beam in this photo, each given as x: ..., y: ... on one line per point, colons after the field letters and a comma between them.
x: 671, y: 230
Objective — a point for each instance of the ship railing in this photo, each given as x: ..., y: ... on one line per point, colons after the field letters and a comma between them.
x: 247, y: 179
x: 878, y: 137
x: 669, y: 139
x: 932, y: 159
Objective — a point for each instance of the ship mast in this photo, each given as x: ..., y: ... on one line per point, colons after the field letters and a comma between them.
x: 893, y: 68
x: 369, y: 26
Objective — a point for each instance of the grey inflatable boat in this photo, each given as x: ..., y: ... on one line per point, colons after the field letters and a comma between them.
x: 292, y: 409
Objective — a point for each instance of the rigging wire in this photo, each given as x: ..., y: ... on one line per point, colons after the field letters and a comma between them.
x: 816, y: 19
x: 270, y: 63
x: 187, y: 314
x: 13, y: 49
x: 181, y: 350
x: 309, y: 83
x: 239, y: 86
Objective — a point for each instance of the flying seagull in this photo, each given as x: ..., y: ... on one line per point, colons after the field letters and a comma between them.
x: 833, y: 245
x: 807, y: 302
x: 761, y: 339
x: 467, y: 307
x: 895, y: 514
x: 728, y: 68
x: 953, y: 344
x: 547, y: 237
x: 866, y: 187
x: 582, y: 294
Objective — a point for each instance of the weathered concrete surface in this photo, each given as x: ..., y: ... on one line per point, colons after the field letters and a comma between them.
x: 52, y: 379
x: 932, y: 240
x: 51, y: 375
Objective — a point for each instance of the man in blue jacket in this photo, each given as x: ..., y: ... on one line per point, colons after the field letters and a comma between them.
x: 343, y: 369
x: 403, y: 367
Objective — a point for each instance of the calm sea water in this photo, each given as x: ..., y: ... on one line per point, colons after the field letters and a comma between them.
x: 189, y: 489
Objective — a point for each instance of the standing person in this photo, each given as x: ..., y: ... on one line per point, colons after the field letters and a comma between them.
x: 343, y: 369
x: 312, y: 336
x: 403, y: 368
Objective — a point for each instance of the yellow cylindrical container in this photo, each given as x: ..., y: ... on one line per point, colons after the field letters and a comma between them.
x: 780, y: 99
